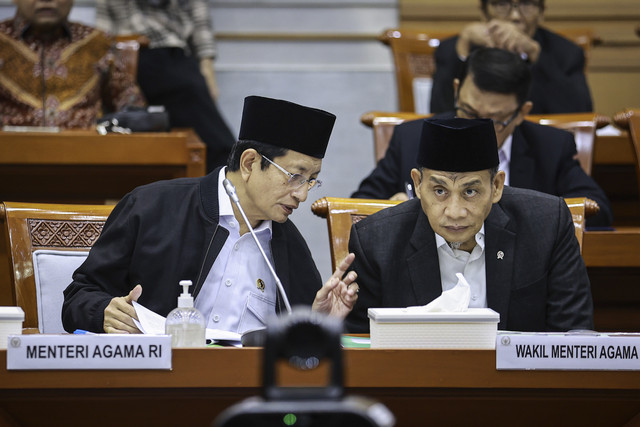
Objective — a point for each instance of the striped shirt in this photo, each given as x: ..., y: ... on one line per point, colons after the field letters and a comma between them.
x: 183, y: 24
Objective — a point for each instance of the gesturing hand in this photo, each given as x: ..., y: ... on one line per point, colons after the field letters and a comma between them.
x: 338, y: 295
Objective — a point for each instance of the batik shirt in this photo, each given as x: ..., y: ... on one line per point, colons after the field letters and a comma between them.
x: 67, y: 79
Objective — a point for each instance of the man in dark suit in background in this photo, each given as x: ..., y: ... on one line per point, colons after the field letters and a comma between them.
x: 557, y: 64
x: 516, y: 248
x: 542, y: 158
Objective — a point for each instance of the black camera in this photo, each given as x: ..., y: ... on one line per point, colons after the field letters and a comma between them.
x: 304, y: 339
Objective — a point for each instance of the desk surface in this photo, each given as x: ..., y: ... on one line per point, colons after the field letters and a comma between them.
x: 613, y: 150
x: 81, y: 166
x: 618, y: 248
x: 86, y: 147
x: 415, y: 384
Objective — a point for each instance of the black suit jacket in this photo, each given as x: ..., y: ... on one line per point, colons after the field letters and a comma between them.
x: 542, y: 159
x: 558, y: 83
x: 540, y: 284
x: 168, y: 231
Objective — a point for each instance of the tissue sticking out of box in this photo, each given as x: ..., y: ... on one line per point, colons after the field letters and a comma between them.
x: 445, y: 323
x: 455, y: 299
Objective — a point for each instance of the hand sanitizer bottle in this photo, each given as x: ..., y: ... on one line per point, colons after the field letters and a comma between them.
x: 185, y: 324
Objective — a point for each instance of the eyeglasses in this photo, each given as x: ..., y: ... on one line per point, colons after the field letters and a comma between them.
x: 500, y: 126
x: 505, y: 7
x: 295, y: 179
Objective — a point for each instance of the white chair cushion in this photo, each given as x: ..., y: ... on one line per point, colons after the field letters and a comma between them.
x: 53, y: 270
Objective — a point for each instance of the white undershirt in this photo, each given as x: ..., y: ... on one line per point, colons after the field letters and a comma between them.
x: 231, y: 298
x: 471, y: 265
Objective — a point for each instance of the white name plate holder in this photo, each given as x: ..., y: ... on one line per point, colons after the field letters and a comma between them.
x: 568, y: 351
x: 88, y: 351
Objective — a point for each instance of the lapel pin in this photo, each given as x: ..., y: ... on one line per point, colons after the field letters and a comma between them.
x: 500, y: 255
x: 260, y: 284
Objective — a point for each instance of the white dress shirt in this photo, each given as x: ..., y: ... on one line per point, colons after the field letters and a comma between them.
x: 471, y: 265
x: 504, y: 154
x: 239, y: 292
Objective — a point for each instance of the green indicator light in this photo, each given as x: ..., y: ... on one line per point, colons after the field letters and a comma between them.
x: 289, y: 419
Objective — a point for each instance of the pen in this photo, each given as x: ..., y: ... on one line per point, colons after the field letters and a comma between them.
x: 408, y: 188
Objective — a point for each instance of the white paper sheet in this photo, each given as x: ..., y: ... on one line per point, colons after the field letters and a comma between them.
x: 150, y: 322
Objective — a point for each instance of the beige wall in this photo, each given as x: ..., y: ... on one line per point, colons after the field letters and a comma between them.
x: 614, y: 65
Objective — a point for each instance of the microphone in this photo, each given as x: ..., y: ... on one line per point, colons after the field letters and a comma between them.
x: 231, y: 191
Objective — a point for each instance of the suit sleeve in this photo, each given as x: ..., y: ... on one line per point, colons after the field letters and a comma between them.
x: 559, y: 74
x: 386, y: 178
x: 448, y: 66
x: 370, y: 286
x: 569, y: 302
x: 103, y: 275
x: 574, y: 182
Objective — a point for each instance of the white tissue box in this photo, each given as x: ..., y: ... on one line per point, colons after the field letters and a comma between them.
x: 413, y: 328
x: 11, y: 319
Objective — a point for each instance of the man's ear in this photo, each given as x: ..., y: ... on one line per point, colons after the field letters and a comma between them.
x: 250, y: 161
x: 456, y: 86
x: 524, y: 110
x: 416, y: 177
x: 497, y: 187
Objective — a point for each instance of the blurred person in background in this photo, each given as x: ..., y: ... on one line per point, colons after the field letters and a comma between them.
x: 557, y: 65
x: 59, y: 73
x: 176, y: 70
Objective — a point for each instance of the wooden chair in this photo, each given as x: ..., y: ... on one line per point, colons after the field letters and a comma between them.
x: 127, y: 49
x: 583, y: 37
x: 582, y: 125
x: 342, y: 213
x: 629, y: 119
x: 382, y: 124
x: 413, y: 57
x: 60, y: 236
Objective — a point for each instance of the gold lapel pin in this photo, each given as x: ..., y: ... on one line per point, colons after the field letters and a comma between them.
x: 260, y: 284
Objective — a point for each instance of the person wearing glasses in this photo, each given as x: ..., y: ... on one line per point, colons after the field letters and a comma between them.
x: 557, y: 65
x: 515, y: 247
x: 188, y: 229
x: 495, y: 85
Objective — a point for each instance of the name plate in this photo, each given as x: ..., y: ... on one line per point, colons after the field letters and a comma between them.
x: 88, y: 351
x: 560, y: 351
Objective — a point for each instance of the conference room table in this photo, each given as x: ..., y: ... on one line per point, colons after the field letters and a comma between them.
x: 82, y: 166
x: 421, y: 387
x: 613, y: 264
x: 614, y: 169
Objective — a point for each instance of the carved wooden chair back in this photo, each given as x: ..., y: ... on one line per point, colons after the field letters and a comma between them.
x: 56, y: 235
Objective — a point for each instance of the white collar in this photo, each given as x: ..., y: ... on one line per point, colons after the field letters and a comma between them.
x: 506, y: 147
x: 440, y: 241
x: 225, y: 208
x: 224, y: 201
